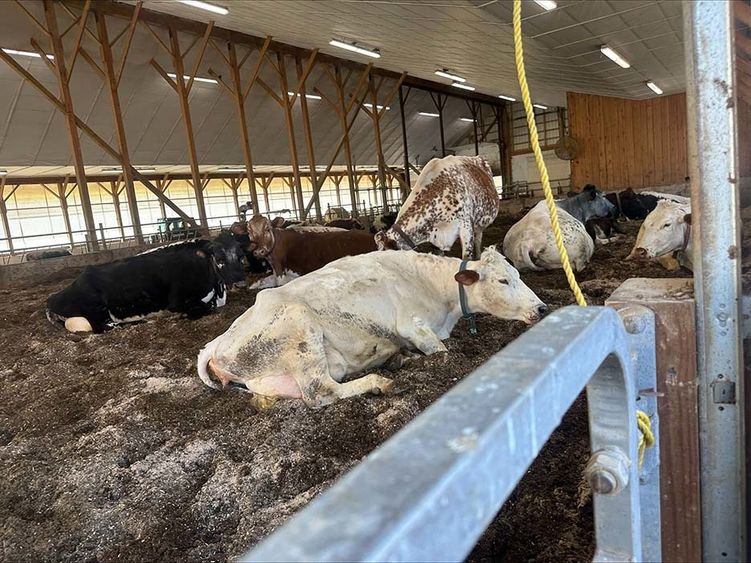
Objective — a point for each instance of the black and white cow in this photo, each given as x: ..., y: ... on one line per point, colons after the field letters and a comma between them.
x: 189, y: 278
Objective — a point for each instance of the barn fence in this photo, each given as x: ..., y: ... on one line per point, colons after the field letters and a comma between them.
x: 430, y: 491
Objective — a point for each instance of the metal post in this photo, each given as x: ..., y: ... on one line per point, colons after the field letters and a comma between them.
x: 402, y: 100
x: 713, y: 165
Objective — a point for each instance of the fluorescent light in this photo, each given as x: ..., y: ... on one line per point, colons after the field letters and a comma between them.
x: 539, y: 106
x: 26, y: 54
x: 451, y: 76
x: 309, y: 96
x: 467, y: 119
x: 232, y: 169
x: 3, y: 172
x: 615, y: 57
x: 547, y: 4
x: 370, y: 106
x: 206, y: 6
x: 428, y: 114
x: 462, y: 86
x: 654, y: 87
x: 508, y: 98
x: 197, y: 78
x: 356, y: 48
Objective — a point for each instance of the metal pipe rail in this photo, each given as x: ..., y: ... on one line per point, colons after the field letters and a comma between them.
x: 429, y: 492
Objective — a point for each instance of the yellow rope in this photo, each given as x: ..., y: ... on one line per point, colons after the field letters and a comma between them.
x: 534, y: 140
x: 647, y: 437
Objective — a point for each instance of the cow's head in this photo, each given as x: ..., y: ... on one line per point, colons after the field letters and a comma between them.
x: 228, y: 254
x: 261, y: 234
x: 594, y: 203
x: 664, y: 231
x: 386, y: 240
x: 493, y: 286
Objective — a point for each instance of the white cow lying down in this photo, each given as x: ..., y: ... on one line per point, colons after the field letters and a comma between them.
x: 666, y: 231
x: 530, y: 243
x: 301, y: 340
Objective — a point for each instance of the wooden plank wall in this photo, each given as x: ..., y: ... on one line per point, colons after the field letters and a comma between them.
x: 628, y: 143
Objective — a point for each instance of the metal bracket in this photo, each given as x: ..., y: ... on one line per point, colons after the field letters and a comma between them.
x: 723, y: 391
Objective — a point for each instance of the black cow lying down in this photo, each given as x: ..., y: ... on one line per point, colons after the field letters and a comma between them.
x: 189, y: 278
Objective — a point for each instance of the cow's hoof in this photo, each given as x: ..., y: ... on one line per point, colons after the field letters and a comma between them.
x: 384, y: 386
x: 262, y: 402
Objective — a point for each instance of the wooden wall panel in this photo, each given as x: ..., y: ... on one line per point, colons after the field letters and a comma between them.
x: 628, y: 143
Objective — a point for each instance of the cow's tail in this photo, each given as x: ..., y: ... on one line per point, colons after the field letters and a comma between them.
x: 529, y: 256
x: 54, y: 318
x: 203, y: 363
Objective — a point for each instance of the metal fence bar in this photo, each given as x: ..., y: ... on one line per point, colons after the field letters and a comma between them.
x: 709, y: 33
x: 430, y: 491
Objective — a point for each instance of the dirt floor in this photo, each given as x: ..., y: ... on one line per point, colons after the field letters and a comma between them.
x: 112, y: 448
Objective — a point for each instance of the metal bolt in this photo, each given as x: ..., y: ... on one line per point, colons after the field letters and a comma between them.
x: 607, y: 471
x: 634, y: 324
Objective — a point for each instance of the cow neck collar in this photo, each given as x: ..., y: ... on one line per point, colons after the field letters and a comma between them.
x: 686, y: 237
x: 467, y: 315
x: 404, y: 236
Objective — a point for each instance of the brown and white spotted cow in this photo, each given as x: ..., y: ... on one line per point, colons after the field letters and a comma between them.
x: 454, y: 197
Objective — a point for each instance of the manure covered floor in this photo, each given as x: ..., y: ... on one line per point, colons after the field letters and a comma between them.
x: 112, y: 448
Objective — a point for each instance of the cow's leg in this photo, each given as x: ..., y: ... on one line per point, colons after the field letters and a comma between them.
x: 422, y: 337
x: 478, y: 244
x: 467, y: 237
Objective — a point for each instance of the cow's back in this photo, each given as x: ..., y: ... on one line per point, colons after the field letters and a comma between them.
x: 305, y: 252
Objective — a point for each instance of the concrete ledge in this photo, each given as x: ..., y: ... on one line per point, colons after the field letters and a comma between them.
x: 26, y: 273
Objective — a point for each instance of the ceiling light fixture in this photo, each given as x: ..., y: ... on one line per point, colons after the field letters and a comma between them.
x: 206, y: 6
x: 118, y: 169
x: 368, y: 52
x: 654, y: 87
x: 539, y: 106
x: 547, y: 4
x: 463, y: 86
x: 446, y: 73
x: 428, y: 114
x: 370, y: 106
x: 309, y: 96
x: 3, y: 172
x: 26, y: 54
x: 467, y: 119
x: 615, y: 57
x: 232, y: 169
x: 197, y: 78
x: 507, y: 98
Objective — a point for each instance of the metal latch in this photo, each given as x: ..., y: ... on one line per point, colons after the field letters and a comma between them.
x: 723, y: 391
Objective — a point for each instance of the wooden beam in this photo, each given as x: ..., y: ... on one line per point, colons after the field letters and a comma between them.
x: 77, y: 45
x: 70, y: 120
x: 112, y: 79
x: 39, y: 25
x: 199, y: 58
x: 242, y: 122
x: 63, y: 199
x: 339, y: 83
x: 376, y: 118
x: 4, y: 215
x: 405, y: 145
x: 307, y: 133
x: 131, y: 30
x: 677, y: 405
x: 182, y: 94
x: 439, y: 103
x: 291, y: 142
x: 257, y: 69
x: 302, y: 75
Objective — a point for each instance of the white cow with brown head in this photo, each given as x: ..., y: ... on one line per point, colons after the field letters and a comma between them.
x: 454, y: 197
x: 665, y: 233
x: 301, y: 340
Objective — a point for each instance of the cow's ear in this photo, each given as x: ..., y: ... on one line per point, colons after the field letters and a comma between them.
x: 277, y: 222
x: 687, y: 218
x: 467, y: 277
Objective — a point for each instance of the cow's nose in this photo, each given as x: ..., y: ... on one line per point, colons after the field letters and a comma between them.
x: 640, y: 252
x: 542, y: 310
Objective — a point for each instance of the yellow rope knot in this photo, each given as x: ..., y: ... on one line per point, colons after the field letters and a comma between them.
x: 646, y: 437
x: 535, y: 141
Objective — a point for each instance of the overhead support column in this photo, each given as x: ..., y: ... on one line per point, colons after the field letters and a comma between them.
x: 4, y: 212
x: 113, y: 80
x: 472, y: 106
x: 403, y: 100
x: 376, y: 115
x: 301, y: 76
x: 711, y: 97
x: 63, y: 77
x: 439, y: 101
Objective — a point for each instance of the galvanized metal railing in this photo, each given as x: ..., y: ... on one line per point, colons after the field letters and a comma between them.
x: 429, y: 492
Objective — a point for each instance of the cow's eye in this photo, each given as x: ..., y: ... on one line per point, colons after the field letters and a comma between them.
x: 504, y: 282
x: 666, y: 225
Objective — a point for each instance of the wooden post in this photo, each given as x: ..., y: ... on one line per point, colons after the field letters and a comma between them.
x: 182, y: 94
x: 292, y: 143
x: 337, y: 185
x: 63, y: 78
x: 4, y: 213
x: 308, y: 136
x: 340, y: 84
x: 62, y: 197
x: 405, y: 145
x: 677, y: 404
x: 439, y: 101
x: 113, y: 81
x: 376, y: 114
x: 289, y: 180
x: 239, y: 98
x: 472, y: 105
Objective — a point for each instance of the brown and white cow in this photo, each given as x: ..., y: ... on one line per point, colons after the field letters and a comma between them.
x: 293, y: 253
x: 454, y: 197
